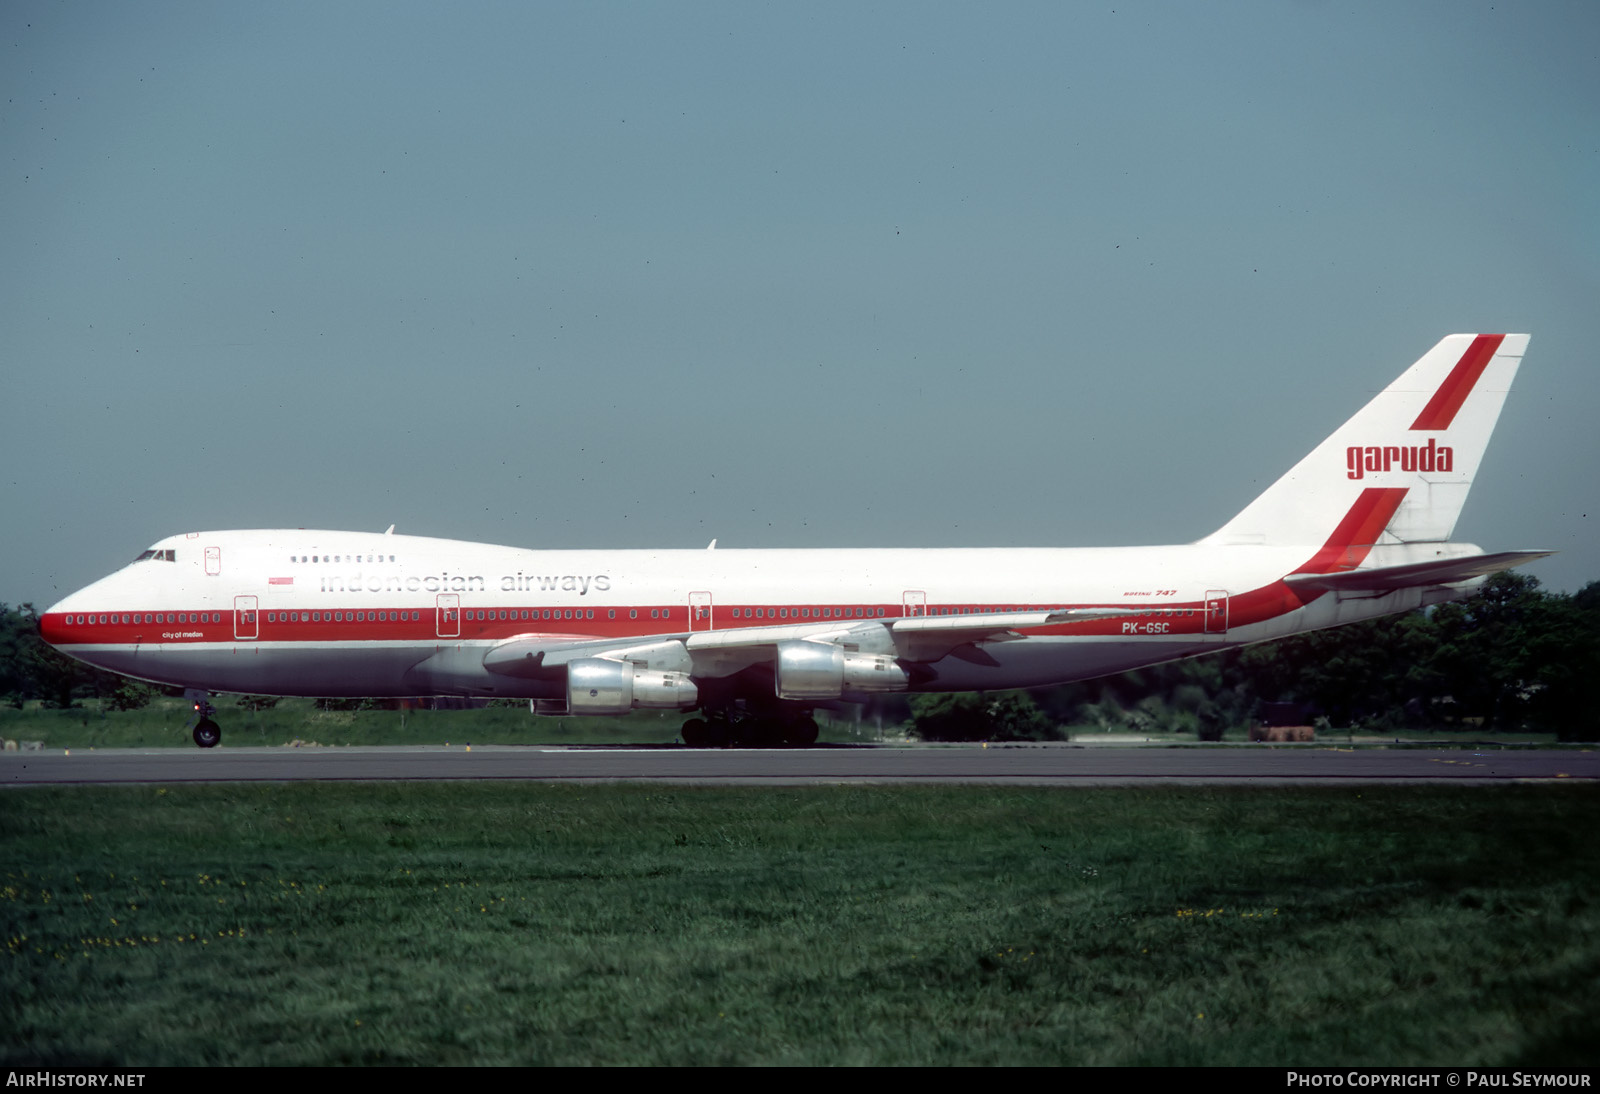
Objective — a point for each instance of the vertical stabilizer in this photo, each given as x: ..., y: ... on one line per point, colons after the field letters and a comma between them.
x: 1415, y: 447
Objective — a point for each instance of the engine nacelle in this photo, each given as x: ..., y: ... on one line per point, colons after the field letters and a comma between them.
x: 598, y: 686
x: 814, y: 670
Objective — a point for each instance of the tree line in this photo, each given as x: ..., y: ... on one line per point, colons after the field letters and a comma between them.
x: 1514, y: 657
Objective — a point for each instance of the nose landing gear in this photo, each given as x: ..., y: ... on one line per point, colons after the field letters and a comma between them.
x: 206, y: 733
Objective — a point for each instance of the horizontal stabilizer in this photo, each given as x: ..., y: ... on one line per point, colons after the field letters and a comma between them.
x: 1383, y: 579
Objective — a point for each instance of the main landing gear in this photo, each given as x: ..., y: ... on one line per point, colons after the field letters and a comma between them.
x: 739, y: 728
x: 207, y: 734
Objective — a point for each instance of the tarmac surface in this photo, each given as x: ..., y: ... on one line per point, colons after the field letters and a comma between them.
x: 1014, y: 765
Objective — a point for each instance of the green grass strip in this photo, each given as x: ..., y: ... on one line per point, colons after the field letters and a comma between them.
x: 513, y: 923
x: 165, y: 723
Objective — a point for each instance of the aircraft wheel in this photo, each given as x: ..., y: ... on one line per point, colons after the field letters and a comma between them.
x: 800, y: 732
x: 207, y: 733
x: 696, y: 734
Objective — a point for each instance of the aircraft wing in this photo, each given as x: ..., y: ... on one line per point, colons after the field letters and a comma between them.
x: 930, y: 637
x: 535, y: 655
x: 1384, y: 579
x: 990, y: 626
x: 1003, y: 621
x: 717, y: 652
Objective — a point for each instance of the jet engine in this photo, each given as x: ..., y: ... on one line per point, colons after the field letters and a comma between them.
x: 813, y: 670
x: 599, y: 686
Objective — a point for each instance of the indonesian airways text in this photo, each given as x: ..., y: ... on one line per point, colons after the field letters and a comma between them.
x: 465, y: 583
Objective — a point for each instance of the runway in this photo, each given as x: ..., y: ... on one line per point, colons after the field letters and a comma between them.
x: 1017, y: 765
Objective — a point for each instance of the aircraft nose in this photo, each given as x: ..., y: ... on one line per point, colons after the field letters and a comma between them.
x: 50, y: 623
x: 50, y: 627
x: 53, y: 620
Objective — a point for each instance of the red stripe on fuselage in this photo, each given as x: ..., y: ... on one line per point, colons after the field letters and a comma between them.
x: 1441, y: 409
x: 1346, y: 549
x: 1163, y: 617
x: 423, y: 625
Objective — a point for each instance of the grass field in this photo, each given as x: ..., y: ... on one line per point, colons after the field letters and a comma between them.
x: 164, y: 724
x: 523, y: 923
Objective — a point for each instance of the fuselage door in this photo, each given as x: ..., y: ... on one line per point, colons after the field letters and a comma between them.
x: 447, y: 615
x: 916, y: 602
x: 1216, y: 611
x: 699, y: 611
x: 245, y: 617
x: 213, y: 561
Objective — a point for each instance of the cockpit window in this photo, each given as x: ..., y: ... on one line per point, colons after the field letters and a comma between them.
x: 169, y: 555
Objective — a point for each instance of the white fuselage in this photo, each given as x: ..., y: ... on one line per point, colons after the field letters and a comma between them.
x: 348, y: 613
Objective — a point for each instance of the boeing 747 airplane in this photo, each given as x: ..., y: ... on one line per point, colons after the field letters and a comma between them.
x: 756, y: 639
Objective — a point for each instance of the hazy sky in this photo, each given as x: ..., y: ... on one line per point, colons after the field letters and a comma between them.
x: 795, y: 274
